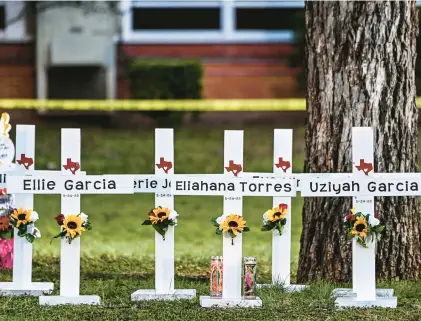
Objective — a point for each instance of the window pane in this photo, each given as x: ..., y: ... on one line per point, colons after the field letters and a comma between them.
x: 266, y: 18
x: 2, y: 17
x: 176, y: 18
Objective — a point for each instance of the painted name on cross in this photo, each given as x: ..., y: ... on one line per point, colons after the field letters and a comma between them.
x: 361, y: 186
x: 239, y: 186
x: 89, y: 184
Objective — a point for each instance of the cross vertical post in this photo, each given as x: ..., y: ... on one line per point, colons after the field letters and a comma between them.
x: 70, y: 204
x: 232, y: 253
x: 70, y: 253
x: 232, y: 248
x: 363, y: 259
x: 164, y: 249
x: 281, y: 244
x: 22, y: 250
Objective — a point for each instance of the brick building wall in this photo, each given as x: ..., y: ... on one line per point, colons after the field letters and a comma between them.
x: 230, y: 71
x: 17, y: 72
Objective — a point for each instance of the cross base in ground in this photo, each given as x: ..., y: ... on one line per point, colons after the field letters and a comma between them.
x: 209, y: 302
x: 72, y: 300
x: 286, y: 288
x: 146, y: 295
x: 31, y: 289
x: 380, y: 302
x: 345, y: 292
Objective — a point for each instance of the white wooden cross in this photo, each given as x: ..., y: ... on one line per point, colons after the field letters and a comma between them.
x: 70, y: 187
x: 233, y: 204
x: 363, y: 292
x: 281, y: 244
x: 22, y: 254
x: 164, y: 249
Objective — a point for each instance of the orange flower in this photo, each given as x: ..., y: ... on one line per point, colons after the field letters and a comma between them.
x: 4, y: 223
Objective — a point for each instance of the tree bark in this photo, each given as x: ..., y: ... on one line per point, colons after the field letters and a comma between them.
x: 360, y: 59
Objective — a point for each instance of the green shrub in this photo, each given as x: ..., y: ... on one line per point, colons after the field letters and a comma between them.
x: 166, y: 79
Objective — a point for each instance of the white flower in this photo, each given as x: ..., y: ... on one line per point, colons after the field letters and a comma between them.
x: 84, y: 217
x: 265, y: 217
x: 220, y: 219
x: 173, y: 215
x: 36, y: 232
x: 34, y: 216
x: 373, y: 221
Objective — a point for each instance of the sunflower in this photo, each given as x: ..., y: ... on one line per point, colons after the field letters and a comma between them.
x: 159, y: 214
x: 72, y: 225
x: 233, y: 223
x: 4, y: 223
x: 360, y: 227
x: 277, y: 213
x: 21, y: 216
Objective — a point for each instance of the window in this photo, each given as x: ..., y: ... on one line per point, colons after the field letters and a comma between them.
x: 181, y: 18
x: 266, y: 18
x: 2, y: 17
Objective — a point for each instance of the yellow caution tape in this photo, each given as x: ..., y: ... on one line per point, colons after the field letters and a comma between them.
x: 156, y: 105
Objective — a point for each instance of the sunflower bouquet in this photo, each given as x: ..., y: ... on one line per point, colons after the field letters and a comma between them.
x: 24, y: 221
x: 72, y: 226
x: 161, y: 218
x: 362, y: 227
x: 275, y: 218
x: 232, y: 224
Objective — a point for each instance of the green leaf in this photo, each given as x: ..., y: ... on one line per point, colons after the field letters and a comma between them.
x: 280, y: 229
x: 218, y: 231
x: 213, y: 220
x: 266, y: 228
x: 21, y: 233
x: 30, y: 238
x: 380, y: 228
x: 283, y: 221
x: 87, y: 225
x: 159, y: 230
x: 361, y: 242
x: 7, y: 235
x: 23, y: 228
x: 246, y: 229
x: 147, y: 222
x: 61, y: 234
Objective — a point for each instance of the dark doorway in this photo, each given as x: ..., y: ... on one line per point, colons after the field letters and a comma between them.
x: 76, y: 82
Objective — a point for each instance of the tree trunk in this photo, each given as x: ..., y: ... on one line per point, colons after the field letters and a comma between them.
x: 360, y: 59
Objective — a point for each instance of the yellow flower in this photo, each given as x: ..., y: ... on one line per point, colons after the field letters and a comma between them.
x: 21, y: 216
x: 353, y: 210
x: 159, y: 214
x: 233, y: 222
x: 277, y: 213
x: 360, y: 227
x: 72, y: 224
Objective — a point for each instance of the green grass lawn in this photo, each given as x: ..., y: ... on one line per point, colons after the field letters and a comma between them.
x: 117, y: 255
x: 115, y: 280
